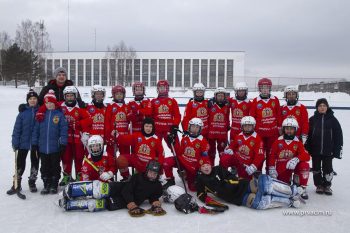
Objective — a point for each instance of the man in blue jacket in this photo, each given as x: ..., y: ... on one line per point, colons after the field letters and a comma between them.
x: 50, y: 137
x: 21, y: 142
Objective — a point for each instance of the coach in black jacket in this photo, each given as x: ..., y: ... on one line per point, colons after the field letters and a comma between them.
x: 325, y: 142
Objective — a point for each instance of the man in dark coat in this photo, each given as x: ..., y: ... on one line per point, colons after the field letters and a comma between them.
x: 325, y: 142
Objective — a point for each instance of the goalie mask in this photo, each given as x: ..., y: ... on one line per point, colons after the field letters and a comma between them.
x: 186, y: 204
x: 95, y: 147
x: 248, y: 125
x: 289, y: 128
x: 172, y: 193
x: 291, y: 94
x: 195, y: 126
x: 198, y: 92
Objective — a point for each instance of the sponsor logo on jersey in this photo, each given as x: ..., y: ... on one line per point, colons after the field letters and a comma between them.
x: 190, y: 152
x: 213, y: 109
x: 120, y: 116
x: 273, y: 104
x: 239, y: 141
x: 170, y: 102
x: 56, y: 119
x: 163, y: 108
x: 295, y: 147
x: 156, y: 102
x: 76, y: 113
x: 286, y: 154
x: 195, y: 105
x: 244, y: 150
x: 98, y: 118
x: 259, y: 106
x: 284, y: 112
x: 219, y: 117
x: 197, y: 145
x: 91, y: 110
x: 144, y: 149
x: 237, y: 113
x: 267, y: 112
x: 114, y: 109
x: 297, y: 112
x: 139, y: 139
x: 244, y: 107
x: 252, y: 143
x: 153, y: 144
x: 201, y: 112
x: 280, y: 145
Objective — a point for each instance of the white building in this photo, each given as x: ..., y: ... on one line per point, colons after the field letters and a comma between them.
x: 181, y: 69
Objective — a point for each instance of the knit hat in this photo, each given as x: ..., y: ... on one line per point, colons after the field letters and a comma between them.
x: 59, y: 70
x: 204, y: 160
x: 50, y: 97
x: 322, y: 101
x: 31, y: 93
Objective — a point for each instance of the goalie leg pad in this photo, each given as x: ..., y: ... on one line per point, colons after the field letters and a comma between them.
x: 79, y: 189
x: 270, y: 186
x: 92, y: 205
x: 269, y: 202
x: 100, y: 189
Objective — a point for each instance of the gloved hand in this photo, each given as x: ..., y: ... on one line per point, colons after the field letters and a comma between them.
x: 213, y: 203
x: 84, y: 137
x: 228, y: 151
x: 292, y: 163
x: 273, y: 172
x: 62, y: 148
x: 106, y: 176
x: 171, y: 138
x: 22, y: 107
x: 174, y: 129
x: 250, y: 169
x: 40, y: 116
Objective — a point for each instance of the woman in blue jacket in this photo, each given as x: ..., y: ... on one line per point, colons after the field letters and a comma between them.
x: 21, y: 142
x: 50, y: 137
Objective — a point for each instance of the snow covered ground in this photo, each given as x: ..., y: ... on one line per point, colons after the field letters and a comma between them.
x: 40, y: 213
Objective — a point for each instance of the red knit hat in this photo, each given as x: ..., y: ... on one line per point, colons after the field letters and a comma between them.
x: 50, y: 97
x: 204, y: 160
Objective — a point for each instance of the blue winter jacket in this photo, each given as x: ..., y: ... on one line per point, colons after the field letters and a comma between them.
x: 22, y: 131
x: 51, y: 132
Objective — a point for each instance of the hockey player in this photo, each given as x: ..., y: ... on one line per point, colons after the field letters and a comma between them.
x: 118, y: 195
x: 98, y: 165
x: 246, y: 151
x: 145, y: 145
x: 50, y: 137
x: 293, y: 108
x: 219, y: 122
x: 79, y: 121
x: 21, y: 142
x: 197, y: 107
x: 262, y: 193
x: 240, y: 106
x: 288, y: 156
x: 116, y: 120
x: 140, y: 107
x: 193, y: 146
x: 266, y: 110
x: 165, y: 112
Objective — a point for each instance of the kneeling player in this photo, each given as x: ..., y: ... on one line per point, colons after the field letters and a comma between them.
x: 262, y: 193
x: 117, y: 195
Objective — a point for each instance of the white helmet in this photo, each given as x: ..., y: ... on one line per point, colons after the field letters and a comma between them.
x: 241, y: 86
x: 198, y: 87
x: 70, y: 90
x: 172, y: 193
x: 97, y: 88
x: 291, y: 122
x: 291, y: 89
x: 248, y: 120
x: 195, y: 121
x: 95, y: 140
x: 219, y: 90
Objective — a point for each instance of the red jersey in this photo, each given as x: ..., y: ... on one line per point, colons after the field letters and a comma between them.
x: 219, y: 121
x: 196, y: 109
x: 144, y: 148
x: 138, y: 111
x: 239, y: 109
x: 98, y: 118
x: 299, y: 113
x: 191, y: 150
x: 116, y: 119
x: 105, y: 164
x: 248, y: 150
x: 166, y: 113
x: 78, y: 120
x: 283, y: 150
x: 267, y: 115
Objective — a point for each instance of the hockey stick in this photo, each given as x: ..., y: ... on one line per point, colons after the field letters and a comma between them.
x: 18, y: 190
x: 178, y: 167
x: 92, y: 165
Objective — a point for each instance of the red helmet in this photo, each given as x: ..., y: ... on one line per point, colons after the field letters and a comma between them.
x: 163, y: 83
x: 138, y: 84
x: 264, y: 81
x: 118, y: 88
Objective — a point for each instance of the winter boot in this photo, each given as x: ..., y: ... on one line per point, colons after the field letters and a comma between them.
x: 304, y: 194
x: 32, y: 186
x: 13, y: 190
x: 65, y: 180
x: 46, y: 189
x: 328, y: 191
x: 320, y: 189
x: 169, y: 182
x: 54, y: 185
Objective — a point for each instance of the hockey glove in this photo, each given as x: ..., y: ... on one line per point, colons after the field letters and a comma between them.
x: 292, y: 163
x: 84, y: 137
x: 213, y: 203
x: 106, y: 176
x: 273, y: 172
x: 250, y: 169
x: 205, y: 210
x: 228, y: 151
x: 171, y: 138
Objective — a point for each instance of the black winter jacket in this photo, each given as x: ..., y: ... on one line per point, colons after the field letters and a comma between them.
x: 325, y: 136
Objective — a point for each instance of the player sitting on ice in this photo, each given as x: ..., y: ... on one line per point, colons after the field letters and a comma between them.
x: 96, y: 195
x: 262, y: 193
x: 193, y: 146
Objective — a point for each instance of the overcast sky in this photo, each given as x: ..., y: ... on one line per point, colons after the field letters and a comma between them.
x: 295, y: 38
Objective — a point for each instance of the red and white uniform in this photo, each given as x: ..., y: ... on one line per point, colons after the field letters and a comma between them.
x: 189, y: 153
x: 219, y: 124
x: 299, y: 113
x: 239, y: 109
x: 105, y: 164
x: 144, y: 148
x: 78, y: 121
x: 196, y: 109
x: 166, y: 113
x: 268, y: 120
x: 116, y: 119
x: 138, y: 111
x: 98, y: 119
x: 247, y: 150
x: 281, y: 152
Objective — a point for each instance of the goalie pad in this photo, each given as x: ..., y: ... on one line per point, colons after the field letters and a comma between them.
x: 92, y: 205
x: 95, y: 189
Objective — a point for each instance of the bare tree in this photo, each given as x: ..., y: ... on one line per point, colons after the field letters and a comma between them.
x: 5, y: 40
x: 121, y: 52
